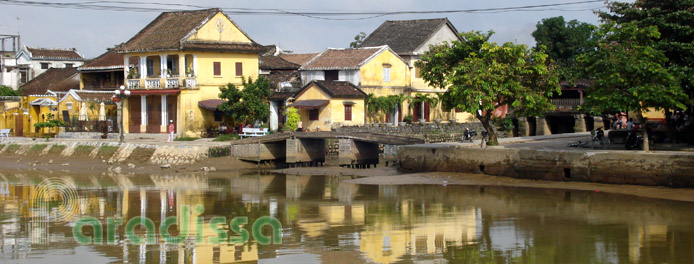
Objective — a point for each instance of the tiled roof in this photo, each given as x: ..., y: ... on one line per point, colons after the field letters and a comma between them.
x: 168, y: 30
x: 405, y: 36
x: 91, y: 96
x: 276, y: 63
x: 54, y: 79
x: 337, y: 89
x: 298, y: 58
x: 342, y: 59
x: 54, y: 54
x: 111, y: 60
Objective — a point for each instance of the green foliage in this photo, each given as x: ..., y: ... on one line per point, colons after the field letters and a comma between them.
x: 358, y: 39
x: 377, y: 105
x: 227, y: 137
x: 249, y: 104
x: 505, y: 124
x: 186, y: 139
x: 564, y: 41
x: 8, y: 91
x: 408, y: 119
x: 215, y: 152
x: 629, y: 73
x: 674, y: 22
x: 481, y: 75
x: 50, y: 122
x: 293, y: 119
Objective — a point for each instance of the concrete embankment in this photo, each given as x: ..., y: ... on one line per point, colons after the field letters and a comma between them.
x: 674, y: 169
x: 112, y: 152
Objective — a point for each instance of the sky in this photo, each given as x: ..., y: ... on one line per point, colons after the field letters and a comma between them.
x: 92, y: 31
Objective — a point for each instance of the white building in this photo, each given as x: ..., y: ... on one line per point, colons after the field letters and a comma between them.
x: 31, y: 62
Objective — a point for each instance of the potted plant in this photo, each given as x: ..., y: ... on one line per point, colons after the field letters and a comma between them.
x: 407, y: 119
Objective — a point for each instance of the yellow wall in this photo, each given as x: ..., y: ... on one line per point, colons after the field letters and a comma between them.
x: 210, y: 32
x: 7, y: 117
x: 332, y: 113
x: 372, y: 71
x: 205, y: 70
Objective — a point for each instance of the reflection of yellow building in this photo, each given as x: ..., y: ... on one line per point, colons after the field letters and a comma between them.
x: 183, y: 58
x: 386, y: 242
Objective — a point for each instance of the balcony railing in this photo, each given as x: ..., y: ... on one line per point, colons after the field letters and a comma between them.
x: 172, y: 83
x: 134, y: 84
x: 191, y: 82
x: 153, y: 83
x: 162, y: 83
x: 566, y: 103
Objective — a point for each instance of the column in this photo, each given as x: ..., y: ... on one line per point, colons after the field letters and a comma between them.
x: 143, y: 67
x: 541, y: 127
x: 579, y: 123
x: 597, y: 123
x: 162, y: 65
x: 523, y: 127
x: 164, y: 114
x: 195, y: 65
x: 143, y: 113
x: 126, y: 64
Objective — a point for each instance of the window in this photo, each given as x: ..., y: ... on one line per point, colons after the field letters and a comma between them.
x: 217, y: 68
x: 239, y: 69
x: 69, y: 105
x: 150, y: 67
x: 332, y: 75
x: 348, y: 112
x: 44, y: 65
x: 386, y: 74
x: 218, y: 115
x: 69, y: 65
x: 172, y: 64
x: 313, y: 114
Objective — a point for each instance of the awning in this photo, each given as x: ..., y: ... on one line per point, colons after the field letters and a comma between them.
x: 155, y: 92
x: 310, y: 104
x: 210, y: 104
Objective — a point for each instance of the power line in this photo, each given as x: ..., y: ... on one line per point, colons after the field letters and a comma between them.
x: 127, y: 6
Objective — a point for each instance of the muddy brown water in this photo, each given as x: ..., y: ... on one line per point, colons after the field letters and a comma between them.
x: 326, y: 220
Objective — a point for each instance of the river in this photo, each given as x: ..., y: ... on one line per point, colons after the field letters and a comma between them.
x: 325, y: 220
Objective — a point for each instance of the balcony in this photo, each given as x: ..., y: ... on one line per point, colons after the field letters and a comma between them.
x: 134, y: 84
x: 191, y: 82
x: 153, y: 83
x: 566, y: 104
x: 172, y: 82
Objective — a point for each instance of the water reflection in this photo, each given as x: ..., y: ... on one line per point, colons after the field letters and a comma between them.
x: 325, y: 219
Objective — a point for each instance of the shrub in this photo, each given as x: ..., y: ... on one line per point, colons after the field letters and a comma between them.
x: 227, y: 137
x: 186, y: 139
x: 293, y: 119
x: 407, y: 119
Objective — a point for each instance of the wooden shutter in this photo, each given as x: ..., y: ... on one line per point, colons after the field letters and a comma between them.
x: 239, y: 69
x: 348, y: 112
x: 313, y: 114
x: 217, y: 68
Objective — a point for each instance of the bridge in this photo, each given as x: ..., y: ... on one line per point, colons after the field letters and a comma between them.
x: 355, y: 149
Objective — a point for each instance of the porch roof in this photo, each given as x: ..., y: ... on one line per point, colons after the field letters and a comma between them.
x: 210, y: 104
x: 310, y: 104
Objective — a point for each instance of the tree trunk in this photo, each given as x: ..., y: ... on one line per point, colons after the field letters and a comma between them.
x: 493, y: 140
x: 642, y: 122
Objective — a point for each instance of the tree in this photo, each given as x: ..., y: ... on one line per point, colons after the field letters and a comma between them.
x: 377, y: 105
x: 293, y: 119
x: 423, y: 99
x: 674, y: 20
x: 564, y: 41
x: 481, y: 75
x: 249, y: 104
x: 7, y: 91
x: 50, y: 123
x: 630, y: 73
x: 358, y: 39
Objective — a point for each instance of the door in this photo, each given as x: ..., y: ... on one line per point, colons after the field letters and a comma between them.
x: 171, y: 102
x: 19, y: 125
x: 135, y: 114
x: 154, y: 114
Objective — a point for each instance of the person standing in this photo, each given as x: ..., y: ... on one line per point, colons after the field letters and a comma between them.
x: 171, y: 131
x: 299, y: 126
x: 630, y: 124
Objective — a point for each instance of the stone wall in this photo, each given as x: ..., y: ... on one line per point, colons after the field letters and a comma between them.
x: 616, y: 167
x: 430, y: 132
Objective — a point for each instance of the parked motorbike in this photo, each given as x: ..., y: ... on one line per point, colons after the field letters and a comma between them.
x: 468, y: 134
x: 633, y: 141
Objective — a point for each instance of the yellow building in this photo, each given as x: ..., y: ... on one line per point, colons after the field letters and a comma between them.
x: 409, y: 39
x: 183, y: 58
x: 375, y: 70
x: 9, y: 111
x: 324, y: 104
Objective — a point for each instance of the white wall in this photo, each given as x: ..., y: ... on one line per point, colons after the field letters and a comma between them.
x: 443, y: 34
x: 308, y: 76
x: 352, y: 76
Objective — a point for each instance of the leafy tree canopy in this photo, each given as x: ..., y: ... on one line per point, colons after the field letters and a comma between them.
x: 564, y: 41
x: 482, y: 75
x: 8, y: 91
x: 629, y: 73
x: 358, y: 39
x: 674, y: 19
x: 249, y: 104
